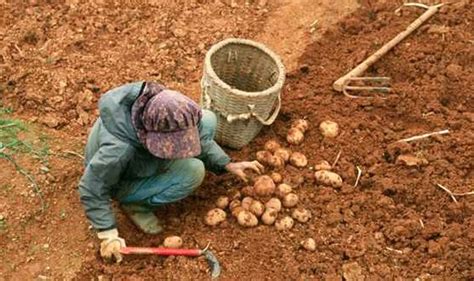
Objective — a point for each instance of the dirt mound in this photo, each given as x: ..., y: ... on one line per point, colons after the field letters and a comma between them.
x: 396, y: 223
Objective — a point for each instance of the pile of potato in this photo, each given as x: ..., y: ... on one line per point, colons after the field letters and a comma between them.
x: 263, y: 202
x: 277, y: 157
x: 295, y: 135
x: 271, y: 201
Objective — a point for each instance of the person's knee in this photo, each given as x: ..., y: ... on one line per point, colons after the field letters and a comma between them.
x: 194, y: 171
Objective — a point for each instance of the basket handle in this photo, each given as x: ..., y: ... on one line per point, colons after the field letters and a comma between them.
x: 207, y: 103
x: 245, y: 116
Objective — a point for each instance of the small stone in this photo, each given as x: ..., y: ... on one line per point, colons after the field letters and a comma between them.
x: 44, y: 169
x: 411, y: 160
x: 46, y: 246
x: 162, y: 45
x: 309, y: 244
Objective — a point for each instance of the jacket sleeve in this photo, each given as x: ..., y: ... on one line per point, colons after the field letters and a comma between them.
x: 214, y: 157
x: 102, y: 172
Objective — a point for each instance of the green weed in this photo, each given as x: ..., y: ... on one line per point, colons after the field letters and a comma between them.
x: 18, y: 137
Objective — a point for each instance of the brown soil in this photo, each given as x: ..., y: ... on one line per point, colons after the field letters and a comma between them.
x: 396, y: 224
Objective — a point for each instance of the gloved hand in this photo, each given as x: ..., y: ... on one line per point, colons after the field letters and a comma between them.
x: 238, y: 168
x: 111, y: 244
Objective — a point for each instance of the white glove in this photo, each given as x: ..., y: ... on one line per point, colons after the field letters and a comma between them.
x: 111, y: 244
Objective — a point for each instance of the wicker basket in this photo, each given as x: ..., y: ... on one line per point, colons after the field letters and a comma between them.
x: 242, y: 82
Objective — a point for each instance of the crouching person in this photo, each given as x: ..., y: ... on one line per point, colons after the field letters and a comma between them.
x: 150, y: 146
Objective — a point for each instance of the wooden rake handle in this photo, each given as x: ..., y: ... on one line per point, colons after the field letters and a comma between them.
x: 357, y: 71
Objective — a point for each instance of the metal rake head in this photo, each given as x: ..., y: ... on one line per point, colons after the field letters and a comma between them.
x: 381, y: 86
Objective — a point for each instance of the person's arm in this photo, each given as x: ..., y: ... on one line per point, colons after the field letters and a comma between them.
x: 214, y: 157
x: 101, y: 174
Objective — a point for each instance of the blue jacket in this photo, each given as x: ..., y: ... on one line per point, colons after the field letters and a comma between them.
x: 113, y: 153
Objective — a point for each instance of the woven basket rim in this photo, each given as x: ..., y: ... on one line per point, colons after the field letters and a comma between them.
x: 276, y: 87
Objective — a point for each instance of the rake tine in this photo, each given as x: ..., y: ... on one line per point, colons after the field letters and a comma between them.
x: 366, y: 88
x: 352, y: 96
x: 382, y: 79
x: 344, y: 91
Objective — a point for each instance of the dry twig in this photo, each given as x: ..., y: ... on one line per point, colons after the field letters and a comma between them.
x: 19, y: 50
x: 394, y: 250
x: 7, y: 125
x: 443, y: 132
x: 422, y: 224
x: 454, y: 194
x: 359, y: 173
x: 463, y: 194
x: 337, y: 158
x: 447, y: 191
x: 74, y: 153
x: 313, y: 26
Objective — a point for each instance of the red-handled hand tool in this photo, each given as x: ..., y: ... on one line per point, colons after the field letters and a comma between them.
x: 211, y: 259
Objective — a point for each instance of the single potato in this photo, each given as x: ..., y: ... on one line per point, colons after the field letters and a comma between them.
x: 283, y: 189
x: 237, y: 210
x: 294, y: 136
x: 290, y: 200
x: 234, y: 204
x: 248, y: 191
x: 257, y: 208
x: 276, y: 162
x: 300, y: 124
x: 329, y: 129
x: 264, y: 157
x: 173, y: 242
x: 309, y: 244
x: 285, y: 223
x: 271, y: 145
x: 247, y: 219
x: 298, y: 159
x: 301, y: 215
x: 264, y: 186
x: 222, y: 202
x: 276, y: 177
x: 328, y: 178
x: 214, y: 217
x: 283, y: 153
x: 269, y: 216
x: 323, y: 165
x: 273, y: 203
x: 246, y: 202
